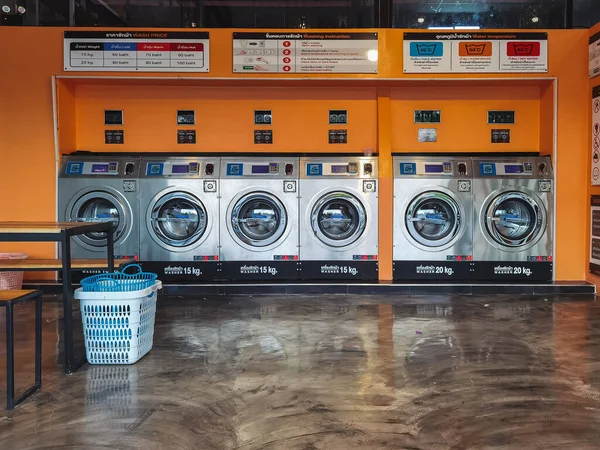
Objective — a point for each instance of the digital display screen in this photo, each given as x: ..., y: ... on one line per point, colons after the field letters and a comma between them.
x: 179, y: 168
x: 260, y: 169
x: 339, y: 168
x: 434, y: 168
x: 513, y: 168
x: 99, y: 168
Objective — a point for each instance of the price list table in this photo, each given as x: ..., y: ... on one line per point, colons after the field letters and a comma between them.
x: 139, y: 51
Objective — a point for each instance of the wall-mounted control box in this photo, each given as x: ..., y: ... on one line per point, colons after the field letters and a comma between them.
x: 186, y: 117
x: 113, y: 117
x: 263, y: 117
x: 504, y: 117
x: 428, y: 116
x: 338, y: 116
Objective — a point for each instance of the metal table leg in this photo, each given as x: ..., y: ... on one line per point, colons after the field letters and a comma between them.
x: 10, y: 358
x: 69, y: 365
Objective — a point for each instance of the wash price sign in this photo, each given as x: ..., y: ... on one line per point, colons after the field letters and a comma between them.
x: 475, y: 52
x: 131, y: 51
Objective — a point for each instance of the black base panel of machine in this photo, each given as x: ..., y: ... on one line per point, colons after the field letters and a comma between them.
x: 443, y: 271
x: 259, y: 270
x: 510, y: 271
x: 339, y: 270
x: 183, y: 271
x: 78, y: 274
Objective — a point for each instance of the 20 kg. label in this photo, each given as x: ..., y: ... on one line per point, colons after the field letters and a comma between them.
x: 513, y: 270
x: 436, y: 270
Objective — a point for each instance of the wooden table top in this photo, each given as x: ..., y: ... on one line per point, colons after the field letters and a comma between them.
x: 40, y: 227
x: 10, y: 295
x: 56, y: 264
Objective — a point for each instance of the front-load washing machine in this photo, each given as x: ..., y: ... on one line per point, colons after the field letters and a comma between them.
x: 513, y: 201
x: 339, y: 218
x: 259, y: 218
x: 94, y: 188
x: 433, y: 218
x: 179, y: 210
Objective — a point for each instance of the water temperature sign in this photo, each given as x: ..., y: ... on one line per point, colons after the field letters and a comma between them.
x: 475, y: 52
x: 131, y: 51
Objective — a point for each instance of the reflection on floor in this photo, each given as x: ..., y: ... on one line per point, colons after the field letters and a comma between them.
x: 325, y: 372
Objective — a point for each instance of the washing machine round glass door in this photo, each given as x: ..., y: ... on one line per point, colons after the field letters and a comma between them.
x: 338, y: 219
x: 100, y: 206
x: 433, y: 219
x: 514, y: 219
x: 259, y: 219
x: 179, y: 219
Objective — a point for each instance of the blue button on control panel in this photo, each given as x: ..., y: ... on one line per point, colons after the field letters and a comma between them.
x: 487, y: 169
x: 235, y: 169
x: 314, y: 169
x: 74, y: 168
x: 408, y: 168
x: 154, y: 169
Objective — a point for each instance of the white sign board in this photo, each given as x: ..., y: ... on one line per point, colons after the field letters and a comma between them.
x: 131, y: 51
x: 305, y: 52
x: 596, y: 136
x: 594, y: 55
x: 475, y: 52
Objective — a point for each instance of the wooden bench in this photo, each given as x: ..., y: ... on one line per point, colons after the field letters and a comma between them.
x: 56, y: 264
x: 8, y: 299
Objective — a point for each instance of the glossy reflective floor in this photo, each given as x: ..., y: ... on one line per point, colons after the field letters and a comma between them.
x: 330, y: 372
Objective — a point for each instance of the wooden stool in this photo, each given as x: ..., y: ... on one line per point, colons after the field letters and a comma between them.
x: 8, y: 299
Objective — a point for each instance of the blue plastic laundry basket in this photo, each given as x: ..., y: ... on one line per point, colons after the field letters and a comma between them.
x: 119, y: 281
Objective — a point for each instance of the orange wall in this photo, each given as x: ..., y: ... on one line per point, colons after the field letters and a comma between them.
x: 464, y: 109
x: 224, y: 117
x: 27, y: 142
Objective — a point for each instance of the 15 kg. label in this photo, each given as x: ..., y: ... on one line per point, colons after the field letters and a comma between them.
x: 338, y: 270
x: 326, y: 269
x: 265, y: 270
x: 260, y: 270
x: 191, y: 272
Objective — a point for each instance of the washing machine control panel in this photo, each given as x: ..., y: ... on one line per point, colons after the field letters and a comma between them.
x: 179, y: 169
x: 433, y: 168
x: 92, y: 168
x: 491, y: 169
x: 285, y: 169
x: 352, y: 168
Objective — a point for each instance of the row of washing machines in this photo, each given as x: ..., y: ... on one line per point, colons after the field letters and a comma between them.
x: 211, y: 218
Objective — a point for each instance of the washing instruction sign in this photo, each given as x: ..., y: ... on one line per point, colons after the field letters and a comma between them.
x: 131, y: 51
x: 475, y: 52
x: 305, y: 52
x: 594, y: 55
x: 595, y: 138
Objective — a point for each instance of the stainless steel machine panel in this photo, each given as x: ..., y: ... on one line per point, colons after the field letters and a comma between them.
x: 94, y: 188
x: 259, y: 217
x: 433, y: 218
x: 514, y: 216
x: 339, y: 222
x: 433, y: 209
x: 179, y: 209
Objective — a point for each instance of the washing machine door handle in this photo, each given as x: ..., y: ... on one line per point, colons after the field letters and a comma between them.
x: 427, y: 220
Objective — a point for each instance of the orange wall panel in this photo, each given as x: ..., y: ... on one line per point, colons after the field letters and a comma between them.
x: 463, y: 126
x: 225, y: 117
